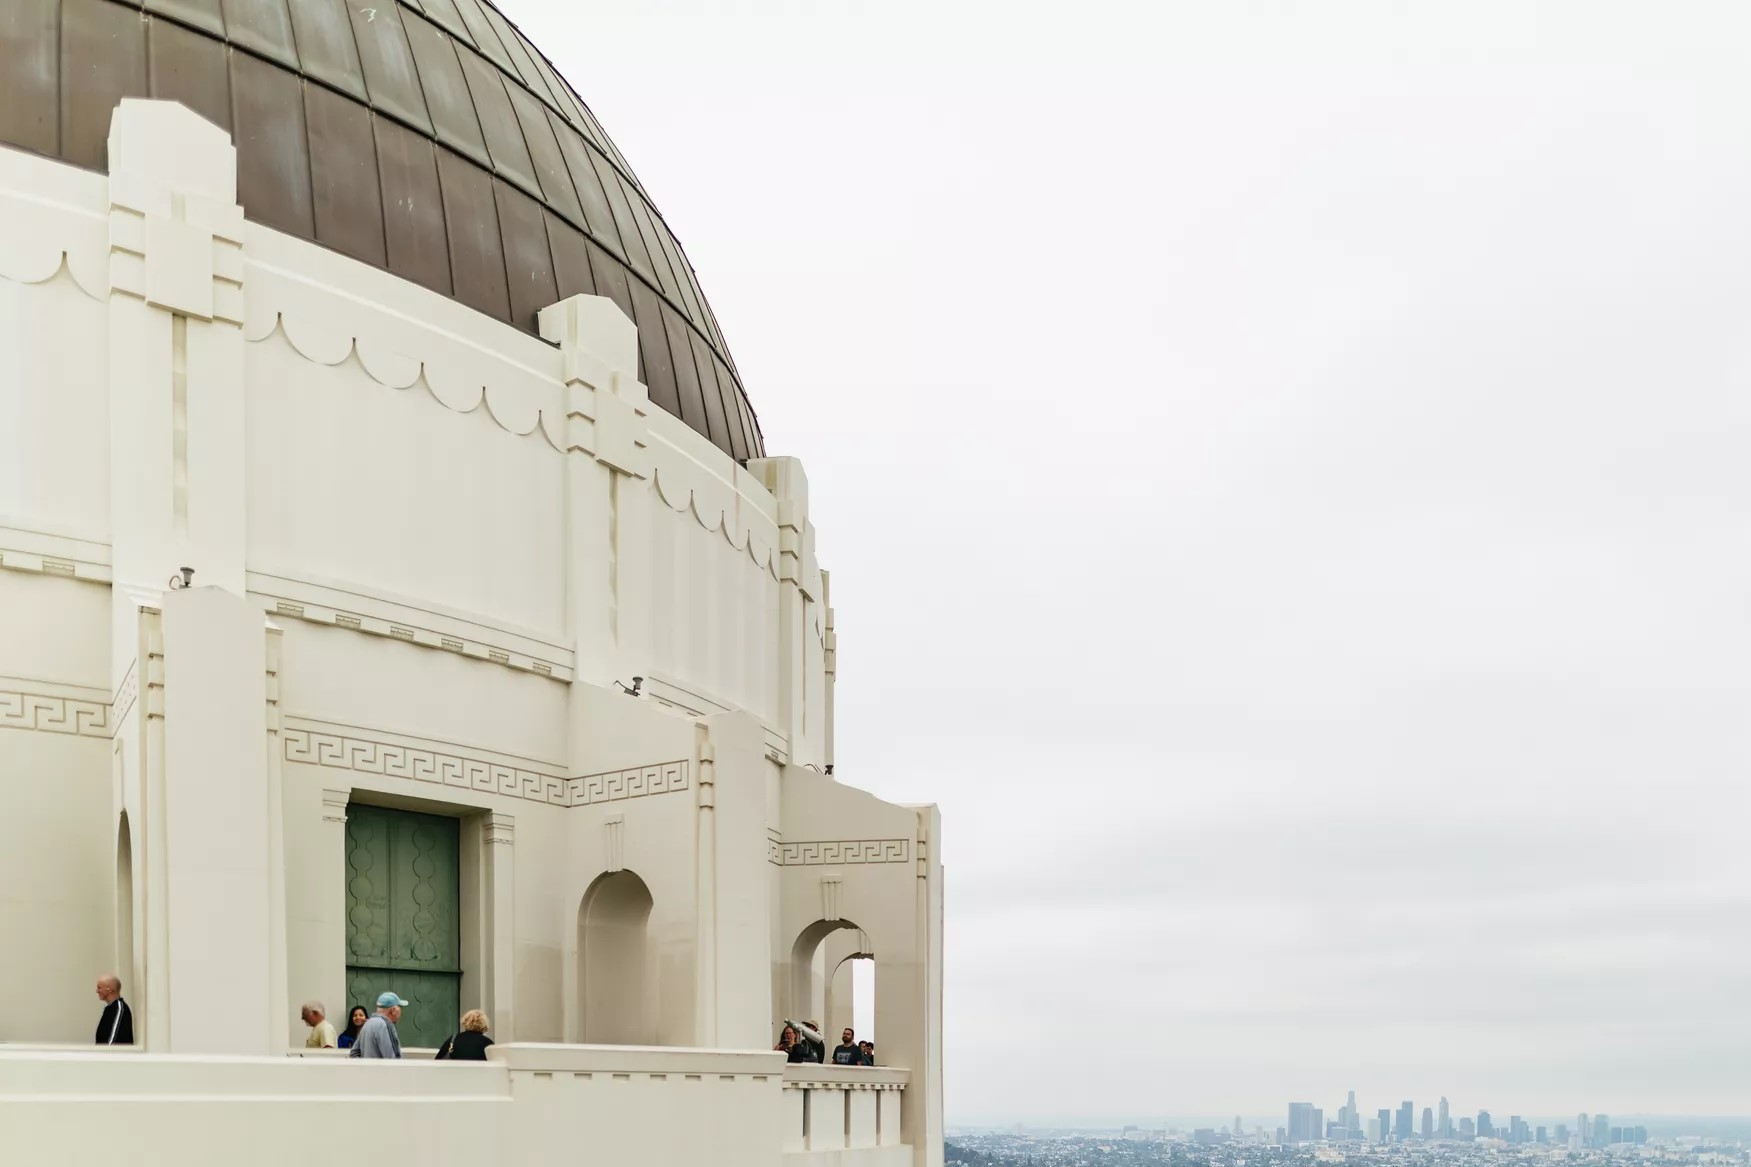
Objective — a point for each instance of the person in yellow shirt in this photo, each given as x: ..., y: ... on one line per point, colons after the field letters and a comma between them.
x: 321, y: 1032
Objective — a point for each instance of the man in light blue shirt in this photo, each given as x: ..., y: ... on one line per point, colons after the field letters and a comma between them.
x: 377, y: 1037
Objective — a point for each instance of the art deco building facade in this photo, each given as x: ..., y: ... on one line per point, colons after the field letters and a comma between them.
x: 357, y: 313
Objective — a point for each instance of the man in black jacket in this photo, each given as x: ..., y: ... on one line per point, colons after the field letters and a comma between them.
x: 116, y: 1026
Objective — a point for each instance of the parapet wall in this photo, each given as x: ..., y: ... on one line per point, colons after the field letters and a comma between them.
x: 529, y: 1104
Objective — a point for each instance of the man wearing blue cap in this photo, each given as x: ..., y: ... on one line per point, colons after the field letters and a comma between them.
x: 377, y: 1038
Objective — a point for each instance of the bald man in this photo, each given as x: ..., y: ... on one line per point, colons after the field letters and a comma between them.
x: 116, y: 1026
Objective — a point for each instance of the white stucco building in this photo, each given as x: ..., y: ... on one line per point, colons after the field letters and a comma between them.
x: 382, y: 740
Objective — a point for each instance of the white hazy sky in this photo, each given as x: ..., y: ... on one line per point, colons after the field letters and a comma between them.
x: 1283, y: 469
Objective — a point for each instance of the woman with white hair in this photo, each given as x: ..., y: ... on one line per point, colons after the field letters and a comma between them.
x: 470, y: 1044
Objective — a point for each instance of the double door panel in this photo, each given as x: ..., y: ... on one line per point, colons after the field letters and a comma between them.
x: 404, y: 931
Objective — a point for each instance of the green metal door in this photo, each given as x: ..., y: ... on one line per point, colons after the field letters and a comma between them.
x: 404, y: 930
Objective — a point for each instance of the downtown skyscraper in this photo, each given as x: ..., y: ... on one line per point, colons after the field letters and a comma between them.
x: 1444, y: 1123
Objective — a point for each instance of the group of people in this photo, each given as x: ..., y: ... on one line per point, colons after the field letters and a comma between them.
x: 375, y: 1035
x: 367, y: 1035
x: 801, y: 1041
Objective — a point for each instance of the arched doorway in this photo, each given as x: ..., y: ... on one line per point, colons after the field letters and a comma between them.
x: 832, y: 979
x: 124, y: 958
x: 614, y: 983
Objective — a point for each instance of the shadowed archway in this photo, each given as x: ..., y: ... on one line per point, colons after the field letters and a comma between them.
x: 614, y: 964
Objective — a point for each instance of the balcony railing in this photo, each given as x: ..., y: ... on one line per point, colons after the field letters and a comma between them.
x: 845, y: 1108
x: 529, y: 1103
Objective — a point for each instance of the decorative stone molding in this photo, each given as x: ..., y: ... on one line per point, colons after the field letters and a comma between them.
x: 818, y: 1077
x: 55, y: 217
x: 152, y: 629
x: 831, y: 886
x: 343, y: 748
x: 43, y: 554
x: 403, y: 627
x: 616, y: 785
x: 686, y: 487
x: 575, y: 396
x: 498, y: 829
x: 334, y: 805
x: 24, y: 706
x: 331, y: 309
x: 454, y: 770
x: 821, y: 853
x: 784, y: 477
x: 774, y: 847
x: 126, y: 694
x: 614, y: 843
x: 273, y: 684
x: 175, y: 229
x: 606, y: 407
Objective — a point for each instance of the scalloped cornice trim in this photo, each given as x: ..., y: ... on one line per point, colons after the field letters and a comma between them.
x: 454, y: 373
x: 24, y: 264
x: 685, y: 486
x: 327, y: 328
x: 46, y: 232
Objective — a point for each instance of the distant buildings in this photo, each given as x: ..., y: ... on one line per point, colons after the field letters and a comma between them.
x: 1307, y: 1124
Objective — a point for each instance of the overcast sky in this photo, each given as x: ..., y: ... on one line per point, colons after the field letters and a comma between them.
x: 1284, y: 474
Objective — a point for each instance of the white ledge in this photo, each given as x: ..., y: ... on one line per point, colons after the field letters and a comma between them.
x: 809, y: 1076
x: 524, y: 1057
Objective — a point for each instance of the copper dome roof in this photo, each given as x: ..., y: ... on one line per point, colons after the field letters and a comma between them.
x: 426, y: 137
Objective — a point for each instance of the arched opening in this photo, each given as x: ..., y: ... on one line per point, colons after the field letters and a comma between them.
x: 833, y: 981
x: 124, y: 957
x: 614, y: 986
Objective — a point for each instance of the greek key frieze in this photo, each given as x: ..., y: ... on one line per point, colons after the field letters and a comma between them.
x: 459, y: 771
x: 615, y: 785
x: 836, y: 852
x: 419, y: 764
x: 49, y: 714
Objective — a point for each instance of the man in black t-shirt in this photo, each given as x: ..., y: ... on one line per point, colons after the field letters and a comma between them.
x: 847, y: 1054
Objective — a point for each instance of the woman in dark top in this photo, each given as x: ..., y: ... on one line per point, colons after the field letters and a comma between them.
x: 355, y: 1022
x: 470, y: 1044
x: 793, y: 1047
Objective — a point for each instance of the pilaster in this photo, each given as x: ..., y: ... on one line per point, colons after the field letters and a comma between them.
x: 317, y: 900
x: 608, y: 469
x: 215, y: 905
x: 735, y: 916
x: 176, y: 358
x: 497, y: 837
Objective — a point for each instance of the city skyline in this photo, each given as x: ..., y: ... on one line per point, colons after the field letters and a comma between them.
x: 1305, y: 1124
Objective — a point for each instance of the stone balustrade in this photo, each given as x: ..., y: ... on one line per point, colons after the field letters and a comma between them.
x: 844, y: 1116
